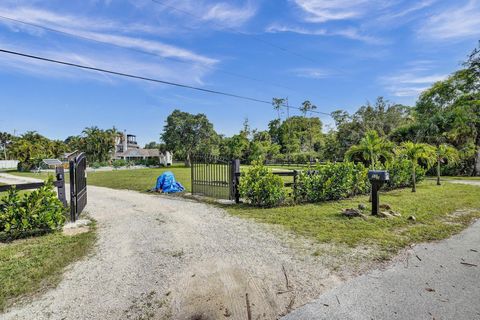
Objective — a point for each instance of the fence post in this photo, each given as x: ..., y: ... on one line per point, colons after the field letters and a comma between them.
x: 295, y: 173
x: 60, y: 175
x: 236, y: 179
x: 72, y: 191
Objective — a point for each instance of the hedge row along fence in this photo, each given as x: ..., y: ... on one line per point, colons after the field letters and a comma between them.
x: 323, y: 182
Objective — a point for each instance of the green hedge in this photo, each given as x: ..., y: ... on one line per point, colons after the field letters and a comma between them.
x: 261, y: 187
x: 38, y: 211
x: 401, y: 174
x: 332, y: 181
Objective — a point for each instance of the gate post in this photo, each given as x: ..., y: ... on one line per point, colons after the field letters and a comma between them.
x: 60, y: 175
x: 72, y: 191
x: 295, y: 181
x: 236, y: 180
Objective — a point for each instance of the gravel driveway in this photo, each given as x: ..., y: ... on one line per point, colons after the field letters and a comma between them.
x: 159, y: 258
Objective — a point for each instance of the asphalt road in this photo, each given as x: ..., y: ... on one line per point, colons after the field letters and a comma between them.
x: 431, y: 281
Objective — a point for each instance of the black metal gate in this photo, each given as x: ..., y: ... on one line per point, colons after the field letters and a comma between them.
x: 78, y: 185
x: 213, y: 177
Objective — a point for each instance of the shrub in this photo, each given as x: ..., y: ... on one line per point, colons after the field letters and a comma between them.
x: 37, y: 211
x: 332, y: 181
x: 95, y: 165
x: 401, y: 174
x: 119, y: 163
x: 261, y: 187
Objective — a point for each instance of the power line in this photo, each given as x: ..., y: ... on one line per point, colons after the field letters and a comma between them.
x: 132, y: 76
x: 273, y: 45
x: 140, y: 51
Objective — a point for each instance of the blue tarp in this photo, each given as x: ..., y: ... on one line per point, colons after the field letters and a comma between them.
x: 167, y: 183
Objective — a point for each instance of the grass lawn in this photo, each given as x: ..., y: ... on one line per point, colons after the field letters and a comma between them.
x: 433, y: 206
x: 31, y: 265
x: 136, y: 179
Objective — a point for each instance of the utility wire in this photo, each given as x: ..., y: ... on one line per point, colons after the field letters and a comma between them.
x: 132, y: 76
x: 273, y: 45
x: 140, y: 51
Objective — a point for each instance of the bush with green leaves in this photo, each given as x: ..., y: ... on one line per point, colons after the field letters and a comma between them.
x: 38, y: 211
x: 400, y: 171
x: 261, y: 187
x: 119, y: 163
x: 332, y: 181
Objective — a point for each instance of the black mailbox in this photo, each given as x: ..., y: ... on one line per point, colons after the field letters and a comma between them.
x: 378, y: 175
x: 377, y: 178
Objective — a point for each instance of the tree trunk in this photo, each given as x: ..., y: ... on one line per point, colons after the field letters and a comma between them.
x: 438, y: 172
x: 414, y: 179
x: 476, y: 167
x: 476, y: 171
x: 188, y: 163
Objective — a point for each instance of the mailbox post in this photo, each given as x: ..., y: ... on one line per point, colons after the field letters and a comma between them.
x: 377, y: 178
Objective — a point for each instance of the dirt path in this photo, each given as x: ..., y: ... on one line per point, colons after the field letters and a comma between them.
x: 470, y: 182
x: 158, y: 257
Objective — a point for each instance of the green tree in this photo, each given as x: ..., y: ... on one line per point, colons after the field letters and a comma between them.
x: 443, y: 153
x: 415, y: 152
x: 450, y: 110
x: 98, y: 144
x: 371, y: 148
x: 299, y: 134
x: 31, y: 148
x: 5, y: 140
x: 277, y: 104
x: 306, y: 107
x: 383, y: 116
x: 186, y: 134
x: 262, y: 148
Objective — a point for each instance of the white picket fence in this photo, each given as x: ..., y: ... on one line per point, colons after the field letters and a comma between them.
x: 8, y: 164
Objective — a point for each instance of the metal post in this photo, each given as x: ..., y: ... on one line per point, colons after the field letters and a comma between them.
x: 72, y: 192
x: 375, y: 198
x: 60, y: 175
x: 236, y: 180
x: 295, y: 174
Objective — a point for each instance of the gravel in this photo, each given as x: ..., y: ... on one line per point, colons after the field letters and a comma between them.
x: 159, y: 257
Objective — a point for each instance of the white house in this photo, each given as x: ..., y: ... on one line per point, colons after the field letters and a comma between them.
x: 126, y: 148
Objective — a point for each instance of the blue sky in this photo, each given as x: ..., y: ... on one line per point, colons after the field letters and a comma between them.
x: 338, y: 54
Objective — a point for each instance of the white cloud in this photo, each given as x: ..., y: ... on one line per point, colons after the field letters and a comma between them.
x: 229, y: 15
x: 221, y: 14
x: 349, y: 33
x: 326, y: 10
x: 453, y: 23
x: 276, y: 28
x: 154, y: 47
x: 122, y: 63
x: 97, y: 29
x: 410, y: 83
x: 312, y: 73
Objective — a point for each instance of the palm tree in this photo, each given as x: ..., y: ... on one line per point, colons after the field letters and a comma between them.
x: 415, y: 152
x: 445, y: 152
x: 277, y: 104
x: 371, y: 148
x: 306, y: 107
x: 5, y: 140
